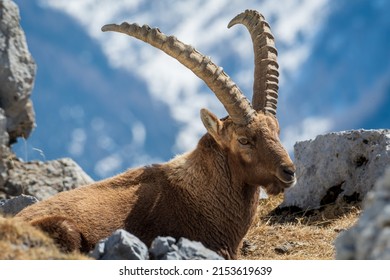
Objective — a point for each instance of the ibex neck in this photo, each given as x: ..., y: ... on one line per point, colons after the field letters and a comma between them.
x: 206, y: 167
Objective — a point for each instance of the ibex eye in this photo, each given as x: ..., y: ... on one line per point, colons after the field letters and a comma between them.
x: 243, y: 141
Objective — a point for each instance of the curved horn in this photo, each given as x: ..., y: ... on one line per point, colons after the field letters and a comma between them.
x: 234, y: 101
x: 265, y: 86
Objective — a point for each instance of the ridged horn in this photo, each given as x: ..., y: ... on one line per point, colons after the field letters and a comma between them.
x: 234, y: 101
x: 265, y: 86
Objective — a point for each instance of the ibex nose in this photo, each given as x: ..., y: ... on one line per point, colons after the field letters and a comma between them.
x: 289, y: 171
x: 287, y: 174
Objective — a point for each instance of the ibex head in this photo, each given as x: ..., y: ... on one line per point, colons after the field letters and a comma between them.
x: 250, y: 134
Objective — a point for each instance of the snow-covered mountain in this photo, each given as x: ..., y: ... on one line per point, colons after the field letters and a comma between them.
x: 111, y: 102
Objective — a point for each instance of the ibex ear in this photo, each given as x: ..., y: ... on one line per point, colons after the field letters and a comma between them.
x: 211, y: 122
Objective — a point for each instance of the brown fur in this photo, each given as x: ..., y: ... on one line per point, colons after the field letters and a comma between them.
x: 208, y: 195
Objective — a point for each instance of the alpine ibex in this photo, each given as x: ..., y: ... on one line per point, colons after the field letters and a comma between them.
x: 209, y: 194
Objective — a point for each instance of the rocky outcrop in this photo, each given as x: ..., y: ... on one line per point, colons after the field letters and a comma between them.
x: 44, y: 179
x: 370, y: 237
x: 39, y: 179
x: 17, y: 73
x: 340, y: 166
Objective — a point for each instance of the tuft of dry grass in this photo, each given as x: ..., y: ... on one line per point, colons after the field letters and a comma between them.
x: 21, y: 241
x: 283, y: 234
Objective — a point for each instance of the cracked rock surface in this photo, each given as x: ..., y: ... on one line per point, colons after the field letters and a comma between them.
x: 338, y: 166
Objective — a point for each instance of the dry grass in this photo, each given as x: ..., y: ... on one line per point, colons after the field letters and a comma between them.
x: 279, y: 234
x: 20, y: 241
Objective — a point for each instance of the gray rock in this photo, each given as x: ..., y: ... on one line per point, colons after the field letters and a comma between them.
x: 193, y: 250
x: 162, y: 246
x: 43, y: 179
x: 11, y: 207
x: 17, y: 73
x: 165, y: 248
x: 4, y: 139
x: 5, y: 157
x: 335, y: 166
x: 121, y: 245
x: 370, y: 237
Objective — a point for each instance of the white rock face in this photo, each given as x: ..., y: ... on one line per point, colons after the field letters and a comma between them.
x: 341, y: 165
x: 370, y: 237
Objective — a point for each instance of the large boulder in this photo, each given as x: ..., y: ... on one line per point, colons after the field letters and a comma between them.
x: 43, y: 179
x: 341, y: 166
x: 370, y: 237
x: 17, y: 73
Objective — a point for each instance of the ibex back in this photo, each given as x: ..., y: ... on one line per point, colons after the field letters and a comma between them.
x: 209, y: 194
